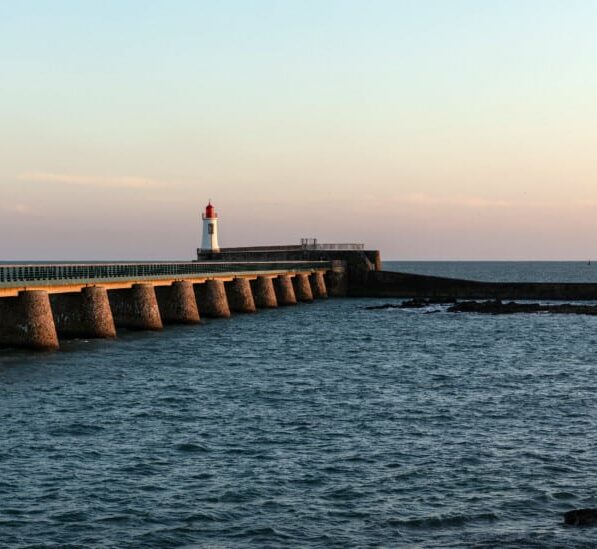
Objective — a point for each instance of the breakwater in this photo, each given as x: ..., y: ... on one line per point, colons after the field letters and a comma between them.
x: 406, y: 285
x: 42, y: 304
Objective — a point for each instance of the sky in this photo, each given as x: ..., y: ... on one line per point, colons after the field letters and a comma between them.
x: 428, y: 129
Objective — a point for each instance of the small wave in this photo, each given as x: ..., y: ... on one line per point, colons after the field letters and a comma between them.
x: 563, y: 496
x: 191, y: 447
x: 261, y: 534
x: 345, y: 493
x: 70, y: 516
x: 308, y: 481
x: 424, y: 310
x: 205, y: 517
x: 142, y: 469
x: 114, y: 519
x: 76, y: 429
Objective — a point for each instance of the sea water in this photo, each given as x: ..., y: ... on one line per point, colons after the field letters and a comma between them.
x: 320, y: 425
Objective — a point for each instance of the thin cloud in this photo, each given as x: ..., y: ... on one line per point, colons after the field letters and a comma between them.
x: 21, y: 209
x: 90, y: 180
x: 463, y: 201
x: 586, y: 203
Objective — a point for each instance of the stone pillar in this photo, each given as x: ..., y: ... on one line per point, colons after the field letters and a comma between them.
x: 240, y: 297
x: 177, y: 303
x: 263, y: 292
x: 377, y: 260
x: 284, y: 290
x: 27, y: 321
x: 318, y: 288
x: 336, y: 283
x: 302, y: 288
x: 84, y: 314
x: 136, y: 308
x: 211, y: 299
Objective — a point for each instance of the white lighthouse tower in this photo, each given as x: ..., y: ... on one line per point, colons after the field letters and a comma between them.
x: 209, y: 242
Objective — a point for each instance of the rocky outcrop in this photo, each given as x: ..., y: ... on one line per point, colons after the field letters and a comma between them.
x: 493, y: 307
x: 497, y: 307
x: 411, y: 304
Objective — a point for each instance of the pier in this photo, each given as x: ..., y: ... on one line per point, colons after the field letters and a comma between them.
x: 40, y: 304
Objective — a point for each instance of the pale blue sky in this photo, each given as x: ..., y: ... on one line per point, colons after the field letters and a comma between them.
x: 431, y: 129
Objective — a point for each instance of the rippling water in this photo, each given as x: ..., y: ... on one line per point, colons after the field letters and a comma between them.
x: 321, y: 425
x: 502, y: 271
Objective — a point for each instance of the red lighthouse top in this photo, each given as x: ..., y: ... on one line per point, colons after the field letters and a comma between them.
x: 210, y: 212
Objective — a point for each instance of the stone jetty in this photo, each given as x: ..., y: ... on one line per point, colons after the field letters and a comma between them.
x: 147, y: 300
x: 41, y: 304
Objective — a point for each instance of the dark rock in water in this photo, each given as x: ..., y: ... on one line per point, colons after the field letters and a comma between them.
x: 496, y: 307
x: 416, y: 303
x: 581, y: 517
x: 382, y: 307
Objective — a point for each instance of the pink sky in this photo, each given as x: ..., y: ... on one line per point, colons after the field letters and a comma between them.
x: 429, y: 130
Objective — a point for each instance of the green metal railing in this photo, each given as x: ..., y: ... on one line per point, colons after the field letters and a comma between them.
x: 55, y: 274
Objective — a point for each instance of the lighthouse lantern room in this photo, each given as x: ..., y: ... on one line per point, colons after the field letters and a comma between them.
x: 209, y: 243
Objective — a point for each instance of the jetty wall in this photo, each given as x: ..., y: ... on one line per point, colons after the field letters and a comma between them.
x: 406, y: 285
x: 350, y: 267
x: 365, y: 259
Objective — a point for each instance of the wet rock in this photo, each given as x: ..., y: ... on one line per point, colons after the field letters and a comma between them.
x: 497, y: 307
x: 382, y: 307
x: 416, y: 303
x: 581, y: 517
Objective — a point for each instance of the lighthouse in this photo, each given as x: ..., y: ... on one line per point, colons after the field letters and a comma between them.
x: 209, y: 243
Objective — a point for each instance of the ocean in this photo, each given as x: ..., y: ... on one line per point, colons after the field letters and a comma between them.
x: 320, y: 425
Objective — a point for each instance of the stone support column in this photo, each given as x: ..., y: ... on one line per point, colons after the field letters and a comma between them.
x: 211, y: 299
x: 318, y: 288
x: 284, y: 290
x: 27, y: 321
x: 177, y: 303
x: 240, y: 296
x: 302, y: 288
x: 84, y: 314
x: 136, y: 308
x: 264, y: 294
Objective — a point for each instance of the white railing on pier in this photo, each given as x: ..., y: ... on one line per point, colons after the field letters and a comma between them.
x: 312, y: 244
